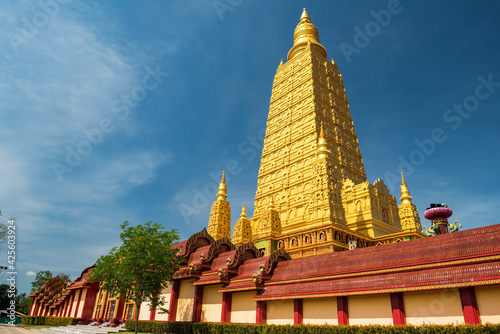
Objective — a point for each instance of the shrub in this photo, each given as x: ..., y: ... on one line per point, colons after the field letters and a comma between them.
x: 219, y: 328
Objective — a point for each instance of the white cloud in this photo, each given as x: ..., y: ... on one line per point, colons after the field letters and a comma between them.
x: 30, y: 273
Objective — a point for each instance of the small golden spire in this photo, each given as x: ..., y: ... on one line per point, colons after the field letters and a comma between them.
x: 271, y: 204
x: 405, y: 193
x: 281, y: 62
x: 222, y: 194
x: 323, y: 150
x: 305, y: 17
x: 243, y: 211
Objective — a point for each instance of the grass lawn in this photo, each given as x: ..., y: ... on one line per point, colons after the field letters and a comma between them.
x: 33, y: 326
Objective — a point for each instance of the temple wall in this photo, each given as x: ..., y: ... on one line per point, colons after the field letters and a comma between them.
x: 438, y: 307
x: 186, y: 301
x: 370, y: 310
x: 280, y: 312
x: 144, y: 311
x: 319, y: 311
x: 488, y: 303
x: 212, y: 304
x: 83, y: 293
x: 166, y: 297
x: 243, y: 308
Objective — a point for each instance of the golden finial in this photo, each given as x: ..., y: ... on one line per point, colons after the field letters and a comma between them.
x: 243, y: 212
x: 405, y: 193
x: 222, y: 194
x: 305, y: 17
x: 305, y: 34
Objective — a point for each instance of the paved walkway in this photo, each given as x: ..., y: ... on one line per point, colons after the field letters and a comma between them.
x: 5, y: 328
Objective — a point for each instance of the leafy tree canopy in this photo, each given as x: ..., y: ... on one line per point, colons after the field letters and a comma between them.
x: 3, y: 230
x: 43, y: 277
x: 4, y: 296
x: 142, y: 267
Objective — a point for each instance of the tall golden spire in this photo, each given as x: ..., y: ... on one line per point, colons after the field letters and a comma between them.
x: 222, y: 194
x: 305, y: 33
x: 405, y: 193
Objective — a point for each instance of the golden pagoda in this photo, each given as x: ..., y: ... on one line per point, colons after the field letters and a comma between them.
x: 312, y: 193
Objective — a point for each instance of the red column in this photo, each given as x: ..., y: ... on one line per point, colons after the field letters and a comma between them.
x: 71, y: 304
x: 227, y: 298
x: 152, y: 315
x: 174, y: 297
x: 342, y: 312
x: 198, y: 300
x: 88, y: 304
x: 36, y: 307
x: 261, y: 312
x: 79, y: 302
x: 398, y: 309
x: 297, y: 311
x: 119, y: 309
x: 60, y: 309
x: 469, y: 306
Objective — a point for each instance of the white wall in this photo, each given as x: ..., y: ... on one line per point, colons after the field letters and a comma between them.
x: 280, y: 312
x: 488, y: 303
x: 319, y: 311
x: 243, y: 308
x: 185, y: 301
x: 211, y: 308
x: 370, y: 310
x: 439, y: 307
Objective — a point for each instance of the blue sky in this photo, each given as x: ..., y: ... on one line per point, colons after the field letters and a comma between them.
x: 180, y: 90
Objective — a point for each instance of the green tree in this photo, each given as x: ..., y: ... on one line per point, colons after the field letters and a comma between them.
x: 141, y: 267
x: 4, y: 296
x: 23, y: 303
x: 41, y: 278
x: 3, y: 230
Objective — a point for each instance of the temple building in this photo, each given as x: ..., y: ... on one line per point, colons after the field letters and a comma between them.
x: 324, y: 245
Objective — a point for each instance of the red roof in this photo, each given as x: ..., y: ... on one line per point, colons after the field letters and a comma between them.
x: 466, y: 258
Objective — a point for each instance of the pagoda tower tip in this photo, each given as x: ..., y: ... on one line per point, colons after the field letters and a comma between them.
x: 405, y: 193
x: 305, y: 16
x: 222, y: 193
x: 243, y: 211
